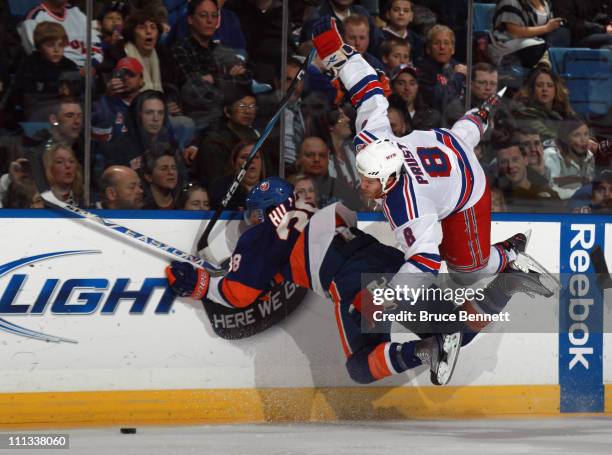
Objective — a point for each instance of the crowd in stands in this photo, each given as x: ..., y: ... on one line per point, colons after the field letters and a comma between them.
x: 182, y: 90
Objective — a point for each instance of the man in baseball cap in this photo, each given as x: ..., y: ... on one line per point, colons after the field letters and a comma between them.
x: 111, y: 110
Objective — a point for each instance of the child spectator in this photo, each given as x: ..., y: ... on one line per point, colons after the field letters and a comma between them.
x: 395, y: 52
x: 399, y: 15
x: 111, y: 21
x: 37, y: 81
x: 74, y: 22
x: 304, y: 188
x: 192, y: 196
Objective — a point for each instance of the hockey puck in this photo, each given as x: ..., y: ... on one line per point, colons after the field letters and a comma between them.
x: 128, y: 430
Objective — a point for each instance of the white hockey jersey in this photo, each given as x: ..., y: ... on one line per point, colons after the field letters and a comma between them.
x: 75, y: 24
x: 443, y: 175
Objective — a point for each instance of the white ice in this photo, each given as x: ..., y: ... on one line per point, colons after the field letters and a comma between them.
x: 587, y: 435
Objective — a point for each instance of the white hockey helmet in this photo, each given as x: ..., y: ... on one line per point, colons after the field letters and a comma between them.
x: 380, y: 160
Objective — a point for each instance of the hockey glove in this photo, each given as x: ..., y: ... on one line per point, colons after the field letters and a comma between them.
x: 492, y: 102
x: 332, y: 50
x: 187, y: 281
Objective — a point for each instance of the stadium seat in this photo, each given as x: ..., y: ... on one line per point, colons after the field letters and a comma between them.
x: 588, y: 75
x: 483, y: 17
x: 19, y: 8
x: 31, y: 128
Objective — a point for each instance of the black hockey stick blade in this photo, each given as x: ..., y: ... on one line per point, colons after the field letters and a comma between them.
x: 203, y: 242
x: 601, y: 268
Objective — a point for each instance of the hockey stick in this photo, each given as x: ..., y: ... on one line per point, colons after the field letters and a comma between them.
x: 129, y: 234
x: 203, y: 242
x: 601, y: 268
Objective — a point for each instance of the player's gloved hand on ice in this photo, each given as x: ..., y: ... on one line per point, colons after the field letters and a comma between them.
x: 332, y: 50
x: 187, y: 281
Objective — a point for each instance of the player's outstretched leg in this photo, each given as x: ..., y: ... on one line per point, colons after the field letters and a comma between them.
x: 440, y: 352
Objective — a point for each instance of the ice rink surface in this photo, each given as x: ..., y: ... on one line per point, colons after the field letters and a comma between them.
x: 587, y: 435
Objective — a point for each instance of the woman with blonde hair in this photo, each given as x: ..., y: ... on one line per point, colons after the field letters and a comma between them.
x: 63, y: 172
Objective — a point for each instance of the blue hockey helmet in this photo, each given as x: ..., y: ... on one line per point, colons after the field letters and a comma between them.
x: 267, y: 194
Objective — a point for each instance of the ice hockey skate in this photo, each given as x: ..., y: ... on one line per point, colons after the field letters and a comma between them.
x: 440, y: 352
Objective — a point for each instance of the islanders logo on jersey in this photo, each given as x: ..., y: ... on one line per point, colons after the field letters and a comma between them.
x: 265, y: 186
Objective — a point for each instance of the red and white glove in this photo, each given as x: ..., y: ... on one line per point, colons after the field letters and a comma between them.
x: 332, y: 50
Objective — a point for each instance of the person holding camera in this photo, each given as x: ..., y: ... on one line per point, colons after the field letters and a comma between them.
x: 110, y: 112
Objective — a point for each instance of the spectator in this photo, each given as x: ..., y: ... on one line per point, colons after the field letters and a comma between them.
x: 357, y: 34
x: 215, y: 146
x: 595, y: 197
x: 111, y: 21
x: 483, y: 85
x: 18, y: 171
x: 142, y: 32
x: 441, y: 79
x: 313, y: 161
x: 407, y: 98
x: 334, y: 127
x: 524, y: 29
x: 24, y: 194
x: 530, y: 142
x: 63, y: 172
x: 397, y: 119
x: 254, y: 173
x: 66, y: 119
x: 572, y: 164
x: 37, y: 82
x: 546, y: 102
x: 520, y: 192
x: 294, y: 117
x: 304, y: 188
x: 261, y: 21
x: 395, y: 52
x: 147, y: 130
x: 110, y: 112
x: 341, y: 10
x: 192, y: 197
x: 121, y: 189
x: 161, y: 176
x: 399, y: 15
x: 498, y: 202
x: 229, y: 32
x: 589, y: 21
x: 203, y: 64
x: 73, y: 21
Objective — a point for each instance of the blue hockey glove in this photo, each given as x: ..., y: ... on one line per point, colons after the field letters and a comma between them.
x: 187, y: 281
x: 332, y: 50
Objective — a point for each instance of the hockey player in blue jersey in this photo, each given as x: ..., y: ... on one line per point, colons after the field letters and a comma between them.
x: 324, y: 251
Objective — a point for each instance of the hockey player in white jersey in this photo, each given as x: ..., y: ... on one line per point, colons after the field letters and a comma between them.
x: 433, y: 189
x: 74, y: 22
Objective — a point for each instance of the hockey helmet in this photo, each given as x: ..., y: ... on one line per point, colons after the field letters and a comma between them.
x: 267, y: 194
x: 380, y: 160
